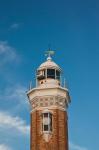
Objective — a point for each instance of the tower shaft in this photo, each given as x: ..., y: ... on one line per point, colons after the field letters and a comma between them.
x: 59, y: 138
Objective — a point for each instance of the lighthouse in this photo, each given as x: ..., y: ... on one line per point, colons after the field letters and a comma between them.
x: 49, y: 100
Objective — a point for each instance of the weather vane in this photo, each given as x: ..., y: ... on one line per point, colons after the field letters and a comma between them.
x: 49, y: 52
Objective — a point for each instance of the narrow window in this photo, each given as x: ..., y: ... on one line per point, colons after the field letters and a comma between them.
x: 47, y: 122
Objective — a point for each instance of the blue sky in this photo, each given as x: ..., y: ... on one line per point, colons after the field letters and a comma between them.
x: 26, y: 29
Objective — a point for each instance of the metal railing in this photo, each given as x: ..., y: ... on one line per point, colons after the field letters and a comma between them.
x: 34, y: 83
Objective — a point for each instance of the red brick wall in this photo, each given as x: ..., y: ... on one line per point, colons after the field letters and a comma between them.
x: 59, y: 138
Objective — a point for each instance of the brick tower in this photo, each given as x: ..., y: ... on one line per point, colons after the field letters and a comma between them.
x: 49, y: 101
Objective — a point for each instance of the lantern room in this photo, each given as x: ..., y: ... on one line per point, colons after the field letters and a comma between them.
x: 48, y: 71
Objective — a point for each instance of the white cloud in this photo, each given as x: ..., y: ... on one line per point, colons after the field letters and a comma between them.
x: 76, y: 147
x: 13, y: 123
x: 14, y: 99
x: 15, y: 26
x: 4, y: 147
x: 7, y: 53
x: 16, y: 94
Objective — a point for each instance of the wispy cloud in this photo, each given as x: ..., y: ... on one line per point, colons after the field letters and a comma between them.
x: 7, y: 53
x: 16, y: 123
x: 15, y: 26
x: 17, y: 92
x: 76, y: 147
x: 4, y: 147
x: 16, y: 96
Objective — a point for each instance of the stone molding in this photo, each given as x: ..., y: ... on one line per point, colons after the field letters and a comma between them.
x: 49, y: 101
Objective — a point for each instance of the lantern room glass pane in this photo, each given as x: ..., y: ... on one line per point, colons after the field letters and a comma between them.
x: 41, y: 74
x: 57, y: 75
x: 51, y: 73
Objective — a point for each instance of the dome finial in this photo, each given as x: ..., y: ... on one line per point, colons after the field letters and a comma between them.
x: 49, y: 53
